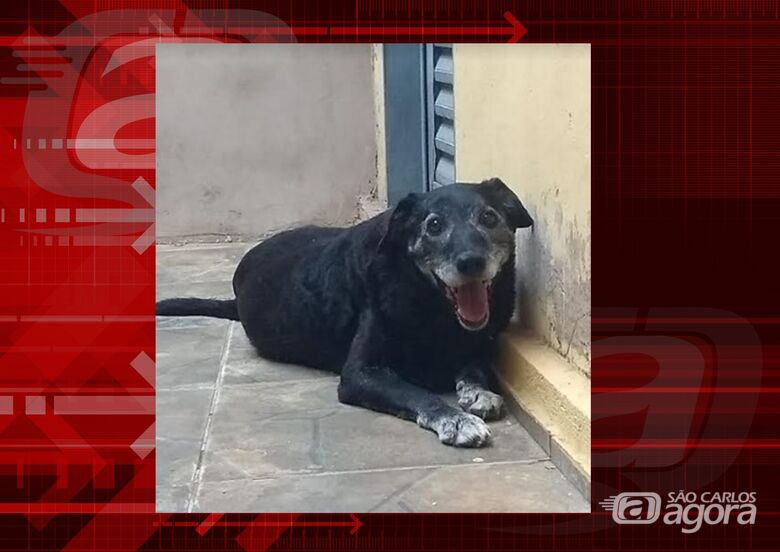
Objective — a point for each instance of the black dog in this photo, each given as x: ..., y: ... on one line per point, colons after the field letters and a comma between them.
x: 408, y: 302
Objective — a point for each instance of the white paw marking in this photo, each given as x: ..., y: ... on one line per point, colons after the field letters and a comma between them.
x: 462, y: 430
x: 479, y: 401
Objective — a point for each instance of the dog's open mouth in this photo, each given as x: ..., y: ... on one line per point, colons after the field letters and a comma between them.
x: 470, y: 301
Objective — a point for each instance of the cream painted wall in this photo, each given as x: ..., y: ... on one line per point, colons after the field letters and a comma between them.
x: 522, y: 113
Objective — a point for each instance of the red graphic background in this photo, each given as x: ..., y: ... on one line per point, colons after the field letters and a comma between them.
x: 685, y: 192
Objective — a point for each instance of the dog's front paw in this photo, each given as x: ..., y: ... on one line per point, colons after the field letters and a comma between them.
x: 479, y: 401
x: 460, y: 429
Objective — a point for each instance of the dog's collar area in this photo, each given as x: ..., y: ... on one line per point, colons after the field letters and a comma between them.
x: 468, y: 300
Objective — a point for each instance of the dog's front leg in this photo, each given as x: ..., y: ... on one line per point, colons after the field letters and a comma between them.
x: 473, y: 386
x: 366, y: 383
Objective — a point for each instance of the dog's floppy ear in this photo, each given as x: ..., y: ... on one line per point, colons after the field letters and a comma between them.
x: 502, y: 198
x: 398, y: 226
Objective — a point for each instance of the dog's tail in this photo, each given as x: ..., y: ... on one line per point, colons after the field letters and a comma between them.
x: 192, y: 306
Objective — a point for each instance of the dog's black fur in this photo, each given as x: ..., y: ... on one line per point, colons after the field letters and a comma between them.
x: 378, y: 303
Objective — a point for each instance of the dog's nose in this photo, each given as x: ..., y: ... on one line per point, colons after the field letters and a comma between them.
x: 470, y: 264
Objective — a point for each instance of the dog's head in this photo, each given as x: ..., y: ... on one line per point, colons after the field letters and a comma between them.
x: 459, y: 237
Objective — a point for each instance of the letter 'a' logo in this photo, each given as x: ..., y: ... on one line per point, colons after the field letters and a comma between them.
x: 634, y: 508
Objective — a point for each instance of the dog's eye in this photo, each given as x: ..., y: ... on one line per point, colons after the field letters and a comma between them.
x: 434, y: 226
x: 489, y: 219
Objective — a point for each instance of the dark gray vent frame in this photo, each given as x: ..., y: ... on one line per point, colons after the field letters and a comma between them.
x: 440, y: 100
x: 419, y: 118
x: 405, y: 120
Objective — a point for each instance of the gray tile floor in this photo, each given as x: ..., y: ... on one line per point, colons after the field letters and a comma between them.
x: 236, y: 432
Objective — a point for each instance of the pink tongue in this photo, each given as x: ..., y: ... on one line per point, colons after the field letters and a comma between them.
x: 472, y: 301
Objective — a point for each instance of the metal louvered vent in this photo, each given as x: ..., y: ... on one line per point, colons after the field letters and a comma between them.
x: 441, y: 115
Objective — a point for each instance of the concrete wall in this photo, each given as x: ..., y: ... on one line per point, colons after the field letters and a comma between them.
x: 522, y: 113
x: 255, y: 138
x: 378, y: 62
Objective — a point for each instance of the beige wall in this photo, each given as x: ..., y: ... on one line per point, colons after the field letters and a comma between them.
x: 254, y: 138
x: 523, y: 114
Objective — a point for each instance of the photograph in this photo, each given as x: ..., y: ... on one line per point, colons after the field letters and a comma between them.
x: 320, y: 276
x: 373, y: 277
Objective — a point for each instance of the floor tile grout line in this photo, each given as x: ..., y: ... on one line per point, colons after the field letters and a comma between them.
x: 202, y: 385
x: 282, y: 383
x: 175, y: 326
x: 292, y: 381
x: 195, y: 245
x: 279, y: 476
x: 187, y: 387
x: 243, y: 245
x: 403, y: 489
x: 197, y: 476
